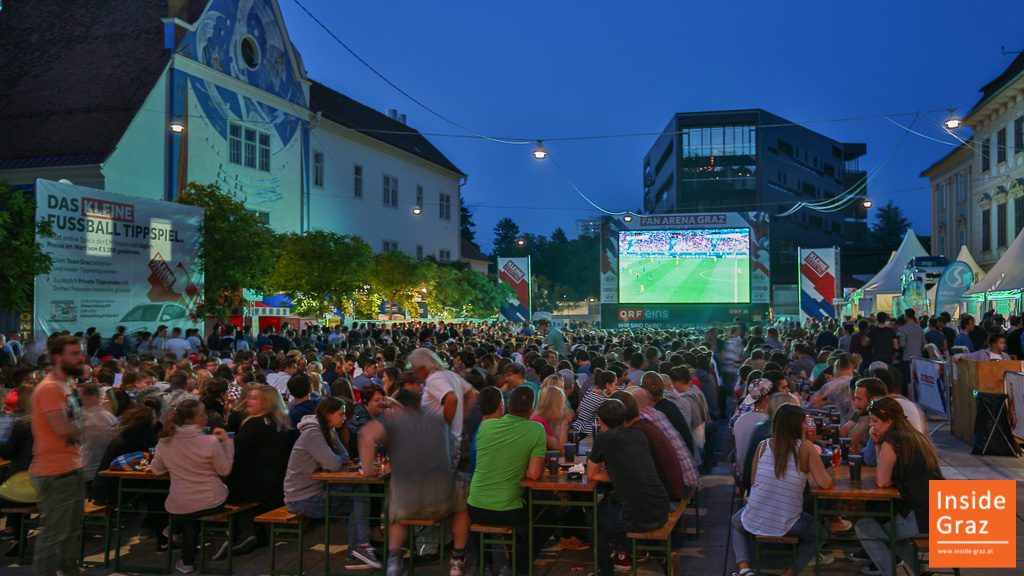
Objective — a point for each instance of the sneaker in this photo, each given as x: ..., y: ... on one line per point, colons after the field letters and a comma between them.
x: 353, y: 563
x: 621, y: 562
x: 572, y: 543
x: 457, y: 567
x: 824, y: 559
x: 870, y: 570
x: 366, y: 553
x: 859, y: 556
x: 839, y: 525
x: 184, y: 568
x: 222, y: 552
x: 8, y: 536
x: 395, y: 567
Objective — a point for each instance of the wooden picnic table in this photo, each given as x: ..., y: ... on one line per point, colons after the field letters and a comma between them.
x: 128, y: 483
x: 334, y: 483
x: 559, y: 482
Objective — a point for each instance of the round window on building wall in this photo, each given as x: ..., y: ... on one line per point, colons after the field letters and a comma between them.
x: 250, y: 52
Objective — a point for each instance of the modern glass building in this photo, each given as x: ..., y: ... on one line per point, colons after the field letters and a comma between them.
x: 752, y: 160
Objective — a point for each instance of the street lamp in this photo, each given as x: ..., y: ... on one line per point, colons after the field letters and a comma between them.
x: 953, y: 122
x: 539, y: 152
x: 521, y: 242
x: 177, y: 127
x: 627, y: 218
x: 866, y: 203
x: 416, y: 210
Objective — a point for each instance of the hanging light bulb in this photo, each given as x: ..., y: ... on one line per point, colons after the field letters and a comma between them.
x: 627, y: 218
x: 521, y: 242
x: 540, y: 153
x: 416, y: 210
x: 953, y: 122
x: 177, y: 127
x: 866, y: 203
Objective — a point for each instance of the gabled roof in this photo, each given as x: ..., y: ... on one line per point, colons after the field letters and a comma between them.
x: 349, y: 113
x: 887, y: 281
x: 1007, y: 273
x: 1015, y: 69
x: 74, y: 74
x: 471, y: 252
x: 964, y: 149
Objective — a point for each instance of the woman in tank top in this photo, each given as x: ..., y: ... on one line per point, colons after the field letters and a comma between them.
x: 782, y: 466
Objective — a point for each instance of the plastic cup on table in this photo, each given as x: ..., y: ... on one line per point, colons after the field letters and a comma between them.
x: 552, y: 458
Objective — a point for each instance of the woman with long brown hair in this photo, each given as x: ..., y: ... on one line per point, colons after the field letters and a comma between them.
x: 906, y: 460
x: 782, y: 466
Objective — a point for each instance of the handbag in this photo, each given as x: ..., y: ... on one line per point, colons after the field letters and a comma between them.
x: 19, y: 488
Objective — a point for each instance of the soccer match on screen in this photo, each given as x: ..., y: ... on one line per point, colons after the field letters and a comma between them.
x: 684, y: 266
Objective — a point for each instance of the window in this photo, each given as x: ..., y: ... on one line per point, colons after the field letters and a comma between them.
x: 248, y: 147
x: 985, y: 157
x: 357, y: 181
x: 942, y: 244
x: 390, y: 191
x: 318, y: 169
x: 419, y: 196
x: 1001, y: 146
x: 390, y: 246
x: 942, y: 190
x: 986, y: 230
x: 419, y: 251
x: 961, y: 237
x: 961, y: 186
x: 444, y: 256
x: 235, y: 144
x: 1018, y: 215
x: 446, y: 207
x: 1018, y: 135
x: 1001, y: 225
x: 250, y: 52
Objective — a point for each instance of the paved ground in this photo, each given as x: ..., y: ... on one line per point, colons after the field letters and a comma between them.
x: 709, y: 555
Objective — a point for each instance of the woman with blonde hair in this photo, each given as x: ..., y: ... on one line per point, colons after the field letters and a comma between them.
x: 263, y: 444
x: 553, y: 413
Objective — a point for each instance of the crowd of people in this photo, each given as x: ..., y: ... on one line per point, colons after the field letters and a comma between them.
x: 464, y: 413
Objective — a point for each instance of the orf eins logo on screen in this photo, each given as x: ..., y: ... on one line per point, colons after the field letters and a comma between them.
x: 514, y: 272
x: 630, y: 314
x: 816, y: 263
x: 107, y: 210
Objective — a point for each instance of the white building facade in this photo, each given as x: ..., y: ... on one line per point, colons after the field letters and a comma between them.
x: 220, y: 96
x: 953, y: 205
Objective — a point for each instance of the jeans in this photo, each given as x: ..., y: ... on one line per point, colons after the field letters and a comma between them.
x: 518, y: 519
x: 612, y: 527
x: 61, y: 502
x: 874, y: 537
x: 357, y: 509
x: 189, y: 524
x: 804, y: 529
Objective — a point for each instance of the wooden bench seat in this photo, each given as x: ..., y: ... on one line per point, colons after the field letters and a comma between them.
x: 786, y: 540
x: 228, y: 511
x: 921, y: 543
x: 279, y: 516
x: 26, y: 509
x: 661, y: 533
x: 94, y: 509
x: 490, y: 529
x: 418, y: 522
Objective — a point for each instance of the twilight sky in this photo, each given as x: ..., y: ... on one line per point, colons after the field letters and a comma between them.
x: 571, y: 68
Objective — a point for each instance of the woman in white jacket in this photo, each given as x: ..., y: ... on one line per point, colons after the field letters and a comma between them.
x: 320, y: 448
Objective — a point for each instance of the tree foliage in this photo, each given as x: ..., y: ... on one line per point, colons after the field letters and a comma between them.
x: 467, y: 228
x: 236, y: 250
x: 887, y: 232
x: 321, y: 270
x: 506, y: 232
x: 395, y: 277
x: 22, y: 257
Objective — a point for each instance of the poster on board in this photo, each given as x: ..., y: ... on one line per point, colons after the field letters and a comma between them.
x: 117, y: 261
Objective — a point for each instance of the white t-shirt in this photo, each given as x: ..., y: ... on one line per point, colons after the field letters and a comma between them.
x: 742, y: 431
x: 914, y: 414
x: 279, y: 380
x: 440, y: 383
x: 179, y: 346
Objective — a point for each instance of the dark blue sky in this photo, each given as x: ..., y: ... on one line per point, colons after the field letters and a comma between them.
x: 533, y: 69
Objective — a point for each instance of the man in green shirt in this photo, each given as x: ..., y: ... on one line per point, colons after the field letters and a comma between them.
x: 553, y: 337
x: 508, y: 450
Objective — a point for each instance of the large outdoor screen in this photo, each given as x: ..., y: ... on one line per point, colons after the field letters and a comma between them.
x: 707, y: 266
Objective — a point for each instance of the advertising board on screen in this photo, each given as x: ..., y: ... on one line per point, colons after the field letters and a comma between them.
x: 685, y: 266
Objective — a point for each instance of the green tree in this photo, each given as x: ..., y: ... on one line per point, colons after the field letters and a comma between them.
x: 506, y: 233
x: 236, y: 250
x: 395, y: 276
x: 321, y: 270
x: 559, y: 237
x: 467, y: 228
x: 22, y: 257
x: 891, y: 225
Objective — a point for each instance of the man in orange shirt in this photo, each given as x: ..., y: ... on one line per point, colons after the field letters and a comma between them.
x: 56, y: 460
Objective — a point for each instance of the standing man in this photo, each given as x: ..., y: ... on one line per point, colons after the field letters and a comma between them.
x: 57, y: 461
x: 553, y: 336
x: 912, y: 342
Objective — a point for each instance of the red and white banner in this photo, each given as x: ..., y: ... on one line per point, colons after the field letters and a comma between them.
x: 819, y: 271
x: 516, y: 273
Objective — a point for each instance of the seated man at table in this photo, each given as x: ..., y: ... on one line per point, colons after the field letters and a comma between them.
x: 508, y: 449
x: 422, y: 476
x: 621, y: 455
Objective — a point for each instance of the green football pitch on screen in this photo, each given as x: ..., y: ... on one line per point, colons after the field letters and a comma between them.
x: 684, y: 267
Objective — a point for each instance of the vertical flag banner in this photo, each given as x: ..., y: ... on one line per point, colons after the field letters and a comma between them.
x: 956, y: 279
x: 818, y: 283
x: 117, y: 260
x: 516, y: 273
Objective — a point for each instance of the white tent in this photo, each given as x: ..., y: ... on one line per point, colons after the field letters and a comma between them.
x: 1007, y: 273
x: 887, y: 281
x: 965, y: 256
